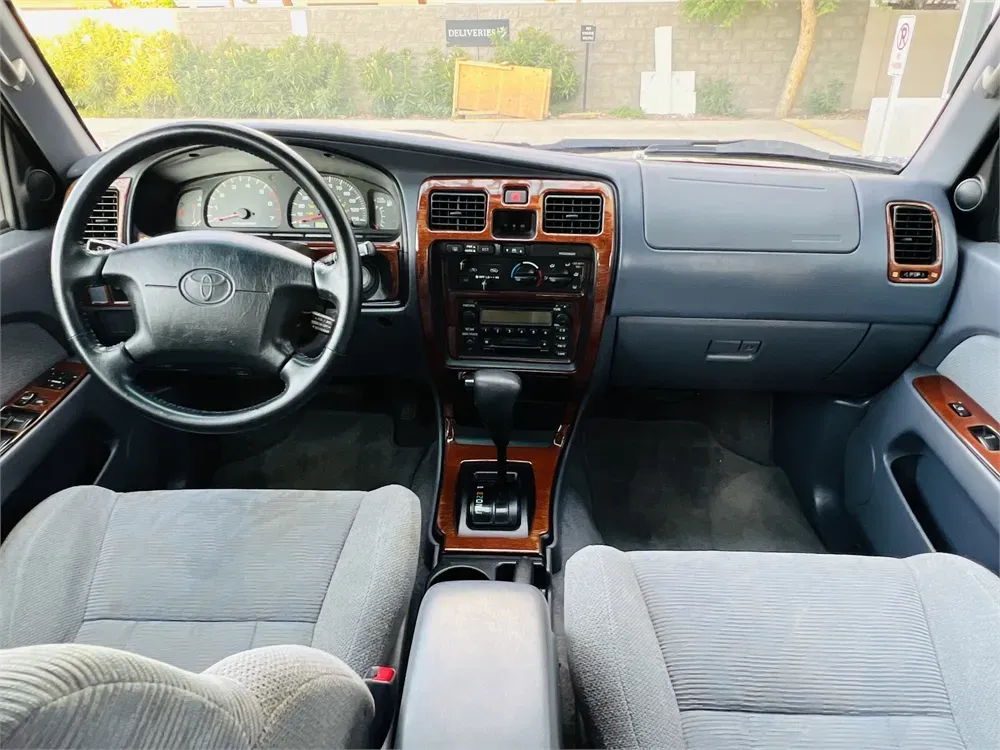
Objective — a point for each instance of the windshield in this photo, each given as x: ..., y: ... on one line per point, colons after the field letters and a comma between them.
x: 841, y: 77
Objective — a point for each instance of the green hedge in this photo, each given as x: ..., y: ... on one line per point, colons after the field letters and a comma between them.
x: 112, y: 72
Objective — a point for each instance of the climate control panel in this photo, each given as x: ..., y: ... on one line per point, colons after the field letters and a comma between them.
x: 497, y: 266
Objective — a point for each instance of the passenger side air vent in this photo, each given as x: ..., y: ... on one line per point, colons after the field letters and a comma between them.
x: 573, y: 214
x: 457, y: 211
x: 914, y: 237
x: 103, y: 221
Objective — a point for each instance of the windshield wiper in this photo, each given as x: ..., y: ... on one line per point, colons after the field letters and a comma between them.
x: 745, y: 148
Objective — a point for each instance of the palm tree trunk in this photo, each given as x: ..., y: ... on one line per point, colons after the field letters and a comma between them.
x: 803, y: 51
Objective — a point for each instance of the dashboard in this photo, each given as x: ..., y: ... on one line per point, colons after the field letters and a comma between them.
x: 698, y: 274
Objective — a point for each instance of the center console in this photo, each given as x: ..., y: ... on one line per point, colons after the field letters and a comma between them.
x: 513, y: 277
x: 482, y: 670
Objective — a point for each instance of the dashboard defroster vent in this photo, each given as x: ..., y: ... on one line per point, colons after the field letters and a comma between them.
x: 457, y: 211
x: 103, y: 221
x: 914, y: 235
x: 573, y: 214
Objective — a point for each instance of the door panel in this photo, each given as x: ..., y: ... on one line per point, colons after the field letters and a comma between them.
x: 26, y: 351
x: 916, y: 478
x: 974, y: 366
x: 88, y: 436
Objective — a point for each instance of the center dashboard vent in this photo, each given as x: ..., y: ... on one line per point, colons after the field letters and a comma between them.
x: 573, y: 214
x: 457, y: 211
x: 103, y: 221
x: 914, y: 235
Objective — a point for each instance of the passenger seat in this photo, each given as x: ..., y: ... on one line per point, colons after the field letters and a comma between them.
x: 767, y: 650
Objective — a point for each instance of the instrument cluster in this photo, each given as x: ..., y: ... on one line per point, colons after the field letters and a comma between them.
x: 269, y: 201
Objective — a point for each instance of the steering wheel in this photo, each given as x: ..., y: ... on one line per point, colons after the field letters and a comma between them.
x: 209, y: 297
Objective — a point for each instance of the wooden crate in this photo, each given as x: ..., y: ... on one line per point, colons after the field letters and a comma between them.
x: 494, y: 90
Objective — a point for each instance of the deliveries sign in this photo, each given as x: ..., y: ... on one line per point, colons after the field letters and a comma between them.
x: 474, y: 33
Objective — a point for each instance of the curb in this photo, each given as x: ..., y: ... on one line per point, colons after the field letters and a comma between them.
x: 824, y: 133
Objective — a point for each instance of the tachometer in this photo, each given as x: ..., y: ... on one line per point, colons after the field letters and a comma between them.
x: 303, y: 214
x: 243, y: 201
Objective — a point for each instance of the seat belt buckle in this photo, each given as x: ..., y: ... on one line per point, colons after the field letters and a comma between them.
x: 381, y: 682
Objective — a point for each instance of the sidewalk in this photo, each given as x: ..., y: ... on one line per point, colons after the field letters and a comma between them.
x: 833, y: 136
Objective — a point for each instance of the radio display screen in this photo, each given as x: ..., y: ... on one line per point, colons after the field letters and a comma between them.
x: 494, y: 317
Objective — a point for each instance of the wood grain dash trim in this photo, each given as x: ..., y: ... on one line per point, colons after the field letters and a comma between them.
x: 896, y: 269
x: 603, y: 243
x: 390, y: 251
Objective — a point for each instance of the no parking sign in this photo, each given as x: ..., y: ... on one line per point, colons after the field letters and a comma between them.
x: 897, y: 63
x: 901, y: 45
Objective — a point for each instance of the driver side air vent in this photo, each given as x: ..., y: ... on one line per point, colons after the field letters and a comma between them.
x: 457, y: 211
x: 103, y: 221
x: 573, y: 214
x: 913, y: 235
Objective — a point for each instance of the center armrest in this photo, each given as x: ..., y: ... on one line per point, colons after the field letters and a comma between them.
x: 482, y: 669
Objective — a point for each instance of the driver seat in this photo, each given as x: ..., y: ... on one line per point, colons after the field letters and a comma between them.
x: 189, y: 578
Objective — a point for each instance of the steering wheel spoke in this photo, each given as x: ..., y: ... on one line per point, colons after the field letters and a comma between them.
x: 114, y: 361
x: 84, y: 267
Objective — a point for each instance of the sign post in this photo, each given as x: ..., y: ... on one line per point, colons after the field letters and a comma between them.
x: 897, y: 64
x: 588, y: 35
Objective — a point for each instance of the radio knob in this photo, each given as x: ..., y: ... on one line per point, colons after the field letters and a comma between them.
x: 562, y: 319
x: 526, y: 274
x: 469, y: 318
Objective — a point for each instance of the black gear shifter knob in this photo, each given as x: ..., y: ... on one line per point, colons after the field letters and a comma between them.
x: 495, y: 392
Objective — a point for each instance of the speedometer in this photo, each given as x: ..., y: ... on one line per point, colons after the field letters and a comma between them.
x: 303, y: 214
x: 243, y: 201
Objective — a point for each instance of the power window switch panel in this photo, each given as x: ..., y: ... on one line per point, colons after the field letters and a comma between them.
x: 19, y: 422
x: 25, y: 398
x: 960, y: 409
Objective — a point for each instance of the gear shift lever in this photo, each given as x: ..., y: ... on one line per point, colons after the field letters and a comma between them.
x: 495, y: 392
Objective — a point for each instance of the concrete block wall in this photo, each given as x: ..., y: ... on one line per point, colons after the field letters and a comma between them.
x: 754, y: 54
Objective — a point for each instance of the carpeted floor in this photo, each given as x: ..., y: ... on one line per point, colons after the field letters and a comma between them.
x: 323, y: 450
x: 671, y: 485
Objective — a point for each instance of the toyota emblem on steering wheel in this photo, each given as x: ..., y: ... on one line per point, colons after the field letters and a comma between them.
x: 206, y: 286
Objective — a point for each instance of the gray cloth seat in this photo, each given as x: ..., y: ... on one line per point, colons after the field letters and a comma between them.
x: 189, y: 578
x: 768, y: 650
x: 74, y: 696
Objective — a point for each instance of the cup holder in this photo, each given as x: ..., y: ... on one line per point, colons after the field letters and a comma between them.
x: 457, y: 573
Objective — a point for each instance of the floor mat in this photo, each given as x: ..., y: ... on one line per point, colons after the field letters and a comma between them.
x: 671, y: 485
x: 323, y: 450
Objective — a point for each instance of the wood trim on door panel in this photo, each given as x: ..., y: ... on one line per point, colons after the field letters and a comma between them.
x: 896, y: 269
x: 938, y: 391
x: 52, y: 397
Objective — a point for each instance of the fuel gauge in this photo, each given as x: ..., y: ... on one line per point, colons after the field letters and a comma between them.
x: 189, y: 209
x: 386, y: 212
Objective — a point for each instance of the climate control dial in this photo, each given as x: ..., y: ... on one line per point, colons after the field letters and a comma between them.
x: 526, y: 273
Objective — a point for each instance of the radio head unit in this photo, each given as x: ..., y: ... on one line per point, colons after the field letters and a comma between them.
x: 536, y: 331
